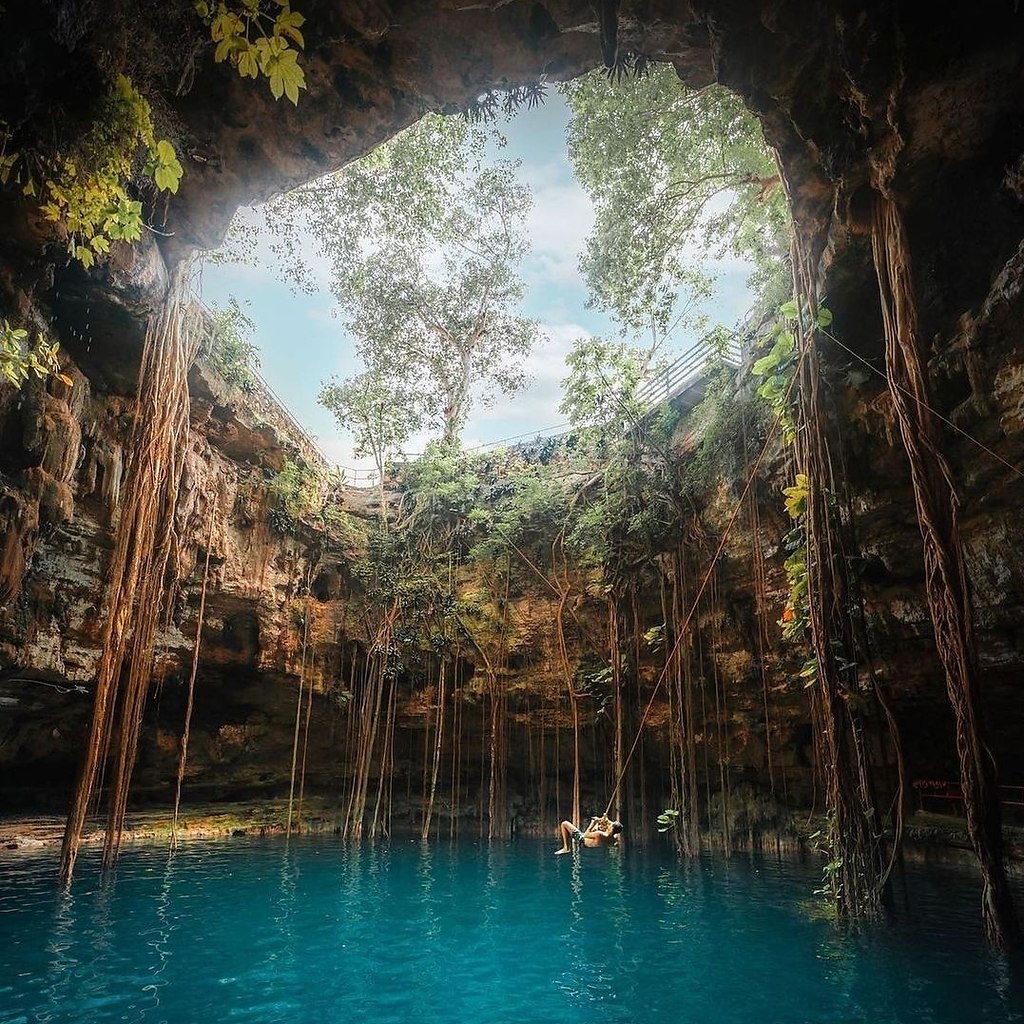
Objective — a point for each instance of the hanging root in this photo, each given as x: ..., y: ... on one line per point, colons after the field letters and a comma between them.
x: 856, y: 875
x: 136, y: 587
x: 298, y: 714
x: 946, y: 583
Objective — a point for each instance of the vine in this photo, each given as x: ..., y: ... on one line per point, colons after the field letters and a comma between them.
x: 83, y: 187
x: 257, y: 41
x: 19, y: 361
x: 817, y: 611
x: 776, y: 370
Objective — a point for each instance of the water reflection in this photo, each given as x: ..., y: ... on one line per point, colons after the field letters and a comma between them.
x: 320, y: 931
x: 61, y: 961
x: 158, y: 939
x: 427, y: 907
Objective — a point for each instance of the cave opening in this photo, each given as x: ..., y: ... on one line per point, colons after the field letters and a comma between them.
x: 760, y: 601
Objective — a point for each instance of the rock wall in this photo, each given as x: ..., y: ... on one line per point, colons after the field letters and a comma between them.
x: 849, y: 93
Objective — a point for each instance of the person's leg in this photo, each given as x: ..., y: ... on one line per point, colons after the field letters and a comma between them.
x: 565, y: 830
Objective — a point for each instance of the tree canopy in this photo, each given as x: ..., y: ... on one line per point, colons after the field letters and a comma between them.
x: 676, y: 175
x: 424, y: 238
x: 378, y: 412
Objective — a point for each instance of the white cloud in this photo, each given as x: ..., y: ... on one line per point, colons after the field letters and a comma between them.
x: 559, y: 222
x: 535, y: 408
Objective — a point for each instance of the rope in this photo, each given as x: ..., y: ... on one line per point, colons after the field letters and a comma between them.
x: 298, y: 714
x: 924, y: 405
x: 681, y: 633
x: 183, y: 758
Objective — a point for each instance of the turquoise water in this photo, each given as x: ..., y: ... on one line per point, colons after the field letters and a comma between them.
x: 317, y: 931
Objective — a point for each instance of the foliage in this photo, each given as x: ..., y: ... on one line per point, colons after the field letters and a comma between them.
x: 297, y: 490
x: 90, y: 176
x: 604, y: 379
x: 84, y: 187
x: 377, y: 409
x: 232, y: 353
x: 727, y: 425
x: 629, y: 511
x: 305, y: 493
x: 19, y: 361
x: 524, y: 506
x: 668, y: 820
x: 776, y: 369
x: 424, y: 238
x: 654, y: 637
x: 676, y: 174
x: 257, y: 38
x: 441, y: 489
x: 509, y: 100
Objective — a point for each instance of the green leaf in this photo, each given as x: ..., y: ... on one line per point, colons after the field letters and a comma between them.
x: 225, y: 25
x: 248, y: 64
x: 789, y: 309
x: 824, y: 317
x: 168, y: 171
x: 220, y: 54
x: 285, y: 76
x: 287, y: 23
x: 796, y: 497
x: 784, y: 346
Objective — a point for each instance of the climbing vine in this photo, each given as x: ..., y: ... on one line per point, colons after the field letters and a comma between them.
x: 19, y: 360
x: 818, y: 611
x: 775, y: 370
x: 258, y: 39
x: 85, y: 187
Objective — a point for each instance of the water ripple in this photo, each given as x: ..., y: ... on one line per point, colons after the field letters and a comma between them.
x: 317, y: 931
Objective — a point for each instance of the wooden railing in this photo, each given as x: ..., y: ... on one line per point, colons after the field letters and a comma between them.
x: 950, y: 797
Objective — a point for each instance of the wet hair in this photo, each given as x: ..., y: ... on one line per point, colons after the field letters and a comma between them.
x: 616, y: 827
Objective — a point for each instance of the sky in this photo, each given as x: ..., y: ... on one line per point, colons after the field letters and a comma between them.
x: 303, y: 344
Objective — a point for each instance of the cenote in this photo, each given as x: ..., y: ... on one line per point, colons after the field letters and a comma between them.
x: 317, y: 930
x: 428, y: 428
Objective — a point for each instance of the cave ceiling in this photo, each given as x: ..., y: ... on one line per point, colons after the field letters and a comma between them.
x: 926, y: 98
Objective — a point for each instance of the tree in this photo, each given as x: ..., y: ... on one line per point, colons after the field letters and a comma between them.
x: 627, y: 514
x: 424, y: 240
x: 235, y: 357
x: 603, y: 382
x: 378, y: 412
x: 676, y: 175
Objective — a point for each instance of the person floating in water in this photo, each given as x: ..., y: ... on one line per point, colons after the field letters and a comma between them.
x: 600, y: 832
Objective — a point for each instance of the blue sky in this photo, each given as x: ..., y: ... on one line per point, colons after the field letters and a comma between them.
x: 302, y: 344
